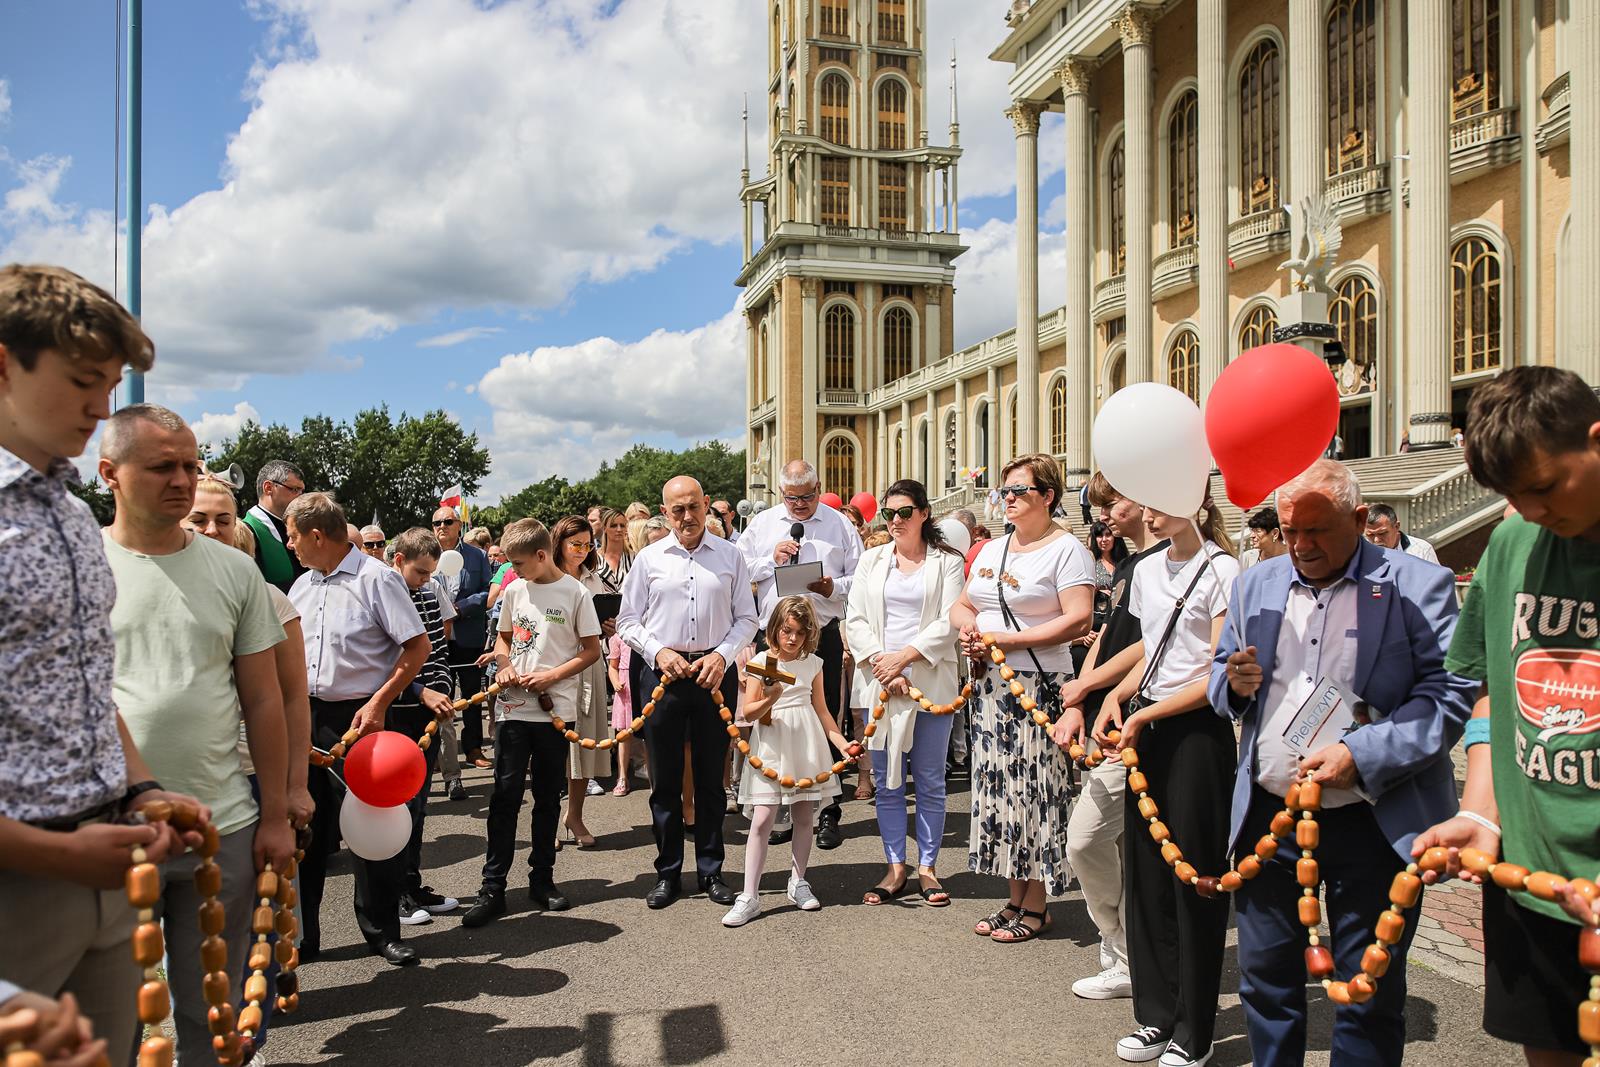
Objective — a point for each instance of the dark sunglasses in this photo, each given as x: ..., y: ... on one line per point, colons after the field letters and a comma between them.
x: 374, y: 544
x: 902, y: 513
x: 1010, y: 491
x: 445, y: 522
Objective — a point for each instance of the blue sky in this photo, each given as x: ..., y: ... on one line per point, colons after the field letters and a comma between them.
x: 518, y: 212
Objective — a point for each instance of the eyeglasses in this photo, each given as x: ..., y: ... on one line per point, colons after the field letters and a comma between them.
x: 445, y: 522
x: 803, y: 499
x: 1012, y: 491
x: 373, y: 544
x: 583, y: 546
x: 903, y: 514
x: 294, y: 489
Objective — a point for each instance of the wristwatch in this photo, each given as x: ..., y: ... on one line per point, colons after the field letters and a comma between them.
x: 149, y: 785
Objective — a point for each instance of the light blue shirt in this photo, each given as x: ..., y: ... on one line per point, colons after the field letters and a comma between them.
x: 355, y: 619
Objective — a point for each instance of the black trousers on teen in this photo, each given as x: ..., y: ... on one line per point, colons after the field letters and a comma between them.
x: 469, y: 679
x: 1176, y: 937
x: 378, y: 884
x: 686, y: 713
x: 525, y: 752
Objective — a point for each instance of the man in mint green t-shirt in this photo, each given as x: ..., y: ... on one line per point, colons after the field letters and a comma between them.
x: 194, y: 633
x: 1530, y: 631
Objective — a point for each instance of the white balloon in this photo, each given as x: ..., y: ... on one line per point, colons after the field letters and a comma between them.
x: 451, y: 562
x: 1150, y: 443
x: 956, y: 534
x: 374, y: 833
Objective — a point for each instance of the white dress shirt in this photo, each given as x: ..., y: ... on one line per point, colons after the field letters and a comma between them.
x: 688, y: 600
x: 1316, y: 640
x: 1416, y: 546
x: 355, y: 618
x: 830, y: 539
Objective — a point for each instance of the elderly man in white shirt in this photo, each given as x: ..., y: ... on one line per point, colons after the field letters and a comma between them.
x: 826, y: 537
x: 687, y: 610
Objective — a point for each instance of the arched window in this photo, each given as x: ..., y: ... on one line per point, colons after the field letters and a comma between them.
x: 897, y: 358
x: 839, y: 467
x: 1117, y: 206
x: 833, y: 18
x: 1475, y: 330
x: 900, y: 453
x: 1183, y: 364
x: 835, y: 125
x: 763, y: 372
x: 1355, y: 315
x: 1016, y: 449
x: 834, y: 190
x: 951, y: 456
x: 1475, y: 56
x: 839, y: 348
x: 1058, y: 416
x: 1183, y: 169
x: 892, y: 21
x: 1352, y: 85
x: 1257, y: 328
x: 1260, y: 97
x: 983, y: 450
x: 892, y: 115
x: 892, y: 197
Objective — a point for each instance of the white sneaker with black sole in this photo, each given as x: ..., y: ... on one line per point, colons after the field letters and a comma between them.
x: 1113, y: 983
x: 1143, y: 1045
x: 1175, y: 1056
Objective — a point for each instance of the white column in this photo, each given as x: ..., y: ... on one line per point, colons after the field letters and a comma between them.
x: 1024, y: 116
x: 882, y: 474
x: 1211, y: 44
x: 1308, y: 107
x: 1428, y: 296
x: 932, y: 344
x: 992, y: 460
x: 1137, y: 30
x: 962, y: 459
x: 1074, y: 76
x: 931, y: 466
x: 904, y: 463
x: 1530, y: 259
x: 809, y: 378
x: 779, y: 351
x: 1584, y: 329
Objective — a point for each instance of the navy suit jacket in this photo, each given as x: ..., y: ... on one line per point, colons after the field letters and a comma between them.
x: 1405, y: 615
x: 471, y: 628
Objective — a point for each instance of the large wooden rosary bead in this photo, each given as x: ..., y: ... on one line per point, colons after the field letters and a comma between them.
x: 1319, y: 962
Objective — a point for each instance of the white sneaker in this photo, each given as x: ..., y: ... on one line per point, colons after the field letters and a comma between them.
x: 593, y: 789
x: 410, y: 916
x: 1113, y: 983
x: 1143, y: 1045
x: 801, y: 896
x: 744, y: 909
x: 1175, y: 1056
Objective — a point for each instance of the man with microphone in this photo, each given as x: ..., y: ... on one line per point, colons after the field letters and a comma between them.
x: 805, y: 530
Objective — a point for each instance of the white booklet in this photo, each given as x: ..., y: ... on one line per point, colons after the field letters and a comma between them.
x: 793, y: 578
x: 1328, y: 714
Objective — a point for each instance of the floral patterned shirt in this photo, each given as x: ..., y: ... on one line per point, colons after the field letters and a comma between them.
x: 60, y: 753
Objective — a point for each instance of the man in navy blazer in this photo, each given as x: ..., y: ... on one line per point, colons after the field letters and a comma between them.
x: 1336, y: 609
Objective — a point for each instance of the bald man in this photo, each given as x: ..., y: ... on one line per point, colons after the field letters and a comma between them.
x: 687, y: 610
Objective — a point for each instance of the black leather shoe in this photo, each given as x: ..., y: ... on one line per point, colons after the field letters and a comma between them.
x: 395, y: 952
x: 718, y: 890
x: 828, y: 835
x: 490, y: 905
x: 545, y: 895
x: 782, y: 835
x: 662, y: 893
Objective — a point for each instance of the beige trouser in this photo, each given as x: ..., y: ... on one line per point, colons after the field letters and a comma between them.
x: 60, y: 937
x: 1094, y: 848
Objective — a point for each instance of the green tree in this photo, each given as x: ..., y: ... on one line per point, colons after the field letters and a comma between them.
x: 99, y: 499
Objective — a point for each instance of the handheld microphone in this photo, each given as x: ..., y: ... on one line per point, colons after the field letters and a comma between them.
x: 797, y: 532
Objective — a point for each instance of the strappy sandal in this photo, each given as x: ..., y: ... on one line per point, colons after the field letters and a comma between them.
x: 883, y: 893
x: 1003, y: 917
x: 928, y: 892
x: 1017, y: 930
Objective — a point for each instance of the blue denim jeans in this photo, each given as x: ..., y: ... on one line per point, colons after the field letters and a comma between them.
x: 929, y: 746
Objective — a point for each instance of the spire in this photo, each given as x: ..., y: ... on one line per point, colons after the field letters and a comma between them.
x: 955, y: 113
x: 745, y: 118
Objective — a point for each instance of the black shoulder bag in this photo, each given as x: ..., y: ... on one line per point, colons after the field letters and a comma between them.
x: 1139, y: 700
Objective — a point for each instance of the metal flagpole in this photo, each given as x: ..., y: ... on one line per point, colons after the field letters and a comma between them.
x: 132, y: 193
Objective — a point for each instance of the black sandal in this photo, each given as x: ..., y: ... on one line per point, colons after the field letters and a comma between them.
x: 884, y: 893
x: 997, y: 920
x: 1018, y: 930
x: 928, y: 892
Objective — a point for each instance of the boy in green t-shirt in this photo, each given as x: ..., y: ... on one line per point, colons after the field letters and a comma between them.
x: 1530, y: 631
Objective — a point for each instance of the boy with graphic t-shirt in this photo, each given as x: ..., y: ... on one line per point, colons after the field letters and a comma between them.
x: 548, y: 636
x: 1530, y: 631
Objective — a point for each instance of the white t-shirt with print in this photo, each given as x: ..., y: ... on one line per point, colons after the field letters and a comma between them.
x: 1156, y: 588
x: 1035, y: 598
x: 547, y: 622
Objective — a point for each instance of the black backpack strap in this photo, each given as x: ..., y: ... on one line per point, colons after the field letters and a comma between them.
x: 1172, y: 623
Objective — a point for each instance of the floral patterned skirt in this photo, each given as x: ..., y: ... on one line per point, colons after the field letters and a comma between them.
x: 1020, y: 797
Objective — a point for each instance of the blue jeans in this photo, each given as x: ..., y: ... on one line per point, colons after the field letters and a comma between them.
x: 929, y: 746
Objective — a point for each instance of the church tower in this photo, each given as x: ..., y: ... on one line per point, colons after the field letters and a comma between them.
x: 849, y: 263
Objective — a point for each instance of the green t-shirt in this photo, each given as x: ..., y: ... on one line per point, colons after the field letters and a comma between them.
x: 1530, y: 629
x: 179, y: 622
x: 500, y: 575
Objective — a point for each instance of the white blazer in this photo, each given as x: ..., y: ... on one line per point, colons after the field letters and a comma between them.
x: 943, y: 580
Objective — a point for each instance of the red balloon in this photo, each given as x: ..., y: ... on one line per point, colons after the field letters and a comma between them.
x: 833, y: 500
x: 384, y: 769
x: 1270, y: 415
x: 865, y: 503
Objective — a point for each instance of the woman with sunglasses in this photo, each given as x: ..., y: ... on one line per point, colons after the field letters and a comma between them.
x: 898, y: 625
x: 1033, y: 590
x: 572, y: 542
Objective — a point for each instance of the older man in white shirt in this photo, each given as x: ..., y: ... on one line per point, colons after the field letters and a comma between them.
x: 1383, y: 528
x: 687, y: 610
x: 805, y: 530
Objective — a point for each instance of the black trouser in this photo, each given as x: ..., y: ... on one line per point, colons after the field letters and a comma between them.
x: 525, y: 752
x: 413, y: 721
x: 378, y: 884
x: 686, y: 713
x: 1176, y: 937
x: 469, y: 679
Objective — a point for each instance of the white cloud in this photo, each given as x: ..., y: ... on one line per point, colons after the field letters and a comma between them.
x: 5, y: 101
x: 986, y: 279
x: 213, y: 429
x: 459, y: 337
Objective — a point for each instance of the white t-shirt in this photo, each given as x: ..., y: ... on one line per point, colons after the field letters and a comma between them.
x: 547, y: 622
x: 1156, y: 588
x: 1035, y: 598
x: 902, y: 607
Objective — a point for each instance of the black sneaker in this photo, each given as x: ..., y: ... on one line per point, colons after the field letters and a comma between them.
x: 490, y: 905
x: 413, y: 913
x: 457, y: 790
x: 1143, y: 1045
x: 432, y: 902
x: 545, y: 895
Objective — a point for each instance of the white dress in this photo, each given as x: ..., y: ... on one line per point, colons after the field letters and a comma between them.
x: 793, y: 743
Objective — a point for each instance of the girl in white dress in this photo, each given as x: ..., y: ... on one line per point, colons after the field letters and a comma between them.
x: 791, y: 735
